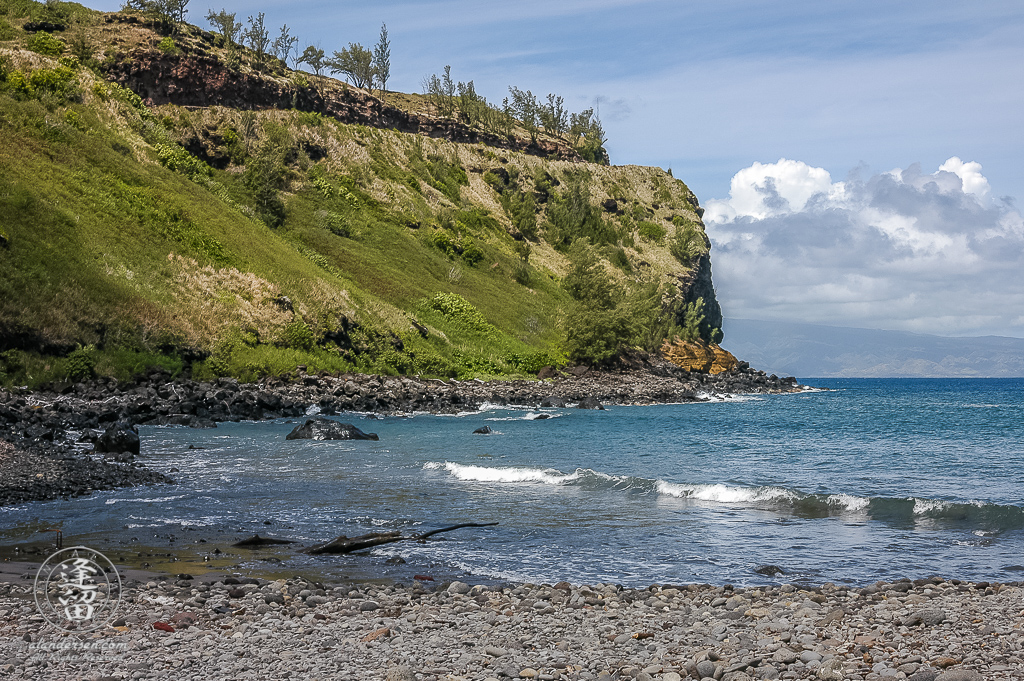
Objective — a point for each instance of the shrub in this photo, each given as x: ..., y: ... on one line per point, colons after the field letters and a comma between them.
x: 81, y: 363
x: 445, y: 241
x: 167, y: 46
x: 571, y: 216
x: 650, y: 231
x: 688, y: 244
x: 44, y: 43
x: 457, y: 309
x: 693, y: 318
x: 297, y: 335
x: 177, y: 159
x: 7, y: 32
x: 332, y: 222
x: 531, y: 362
x: 595, y: 336
x: 471, y: 253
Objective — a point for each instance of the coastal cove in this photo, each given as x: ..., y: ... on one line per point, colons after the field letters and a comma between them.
x: 869, y: 480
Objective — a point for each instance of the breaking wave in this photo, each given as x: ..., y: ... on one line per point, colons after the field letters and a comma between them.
x: 991, y: 518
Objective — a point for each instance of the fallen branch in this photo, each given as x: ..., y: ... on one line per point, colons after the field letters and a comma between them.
x: 344, y: 544
x: 256, y: 540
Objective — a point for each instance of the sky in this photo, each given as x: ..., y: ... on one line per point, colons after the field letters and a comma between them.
x: 826, y: 140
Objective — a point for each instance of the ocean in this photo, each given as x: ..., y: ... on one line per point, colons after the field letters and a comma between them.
x: 866, y: 479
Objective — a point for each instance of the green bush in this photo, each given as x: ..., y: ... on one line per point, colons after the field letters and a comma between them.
x: 332, y: 222
x: 596, y: 336
x: 571, y: 216
x: 81, y: 363
x: 650, y: 231
x: 46, y: 44
x: 61, y: 83
x: 457, y: 309
x: 297, y: 335
x: 531, y: 362
x: 471, y: 253
x: 688, y: 244
x: 7, y: 32
x: 167, y: 46
x: 177, y: 159
x: 445, y: 241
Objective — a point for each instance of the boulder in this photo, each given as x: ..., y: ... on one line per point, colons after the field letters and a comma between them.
x: 119, y: 438
x: 486, y: 430
x: 326, y: 429
x: 589, y: 403
x: 552, y: 401
x: 547, y: 372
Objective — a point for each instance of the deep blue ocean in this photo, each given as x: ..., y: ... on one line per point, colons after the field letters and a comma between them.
x: 870, y: 479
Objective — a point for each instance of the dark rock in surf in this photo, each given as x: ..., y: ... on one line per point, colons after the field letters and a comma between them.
x: 541, y: 417
x: 589, y: 403
x: 769, y: 570
x: 326, y: 429
x: 486, y: 430
x: 553, y: 401
x: 120, y: 438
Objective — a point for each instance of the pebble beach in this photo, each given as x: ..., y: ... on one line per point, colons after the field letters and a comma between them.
x: 227, y: 627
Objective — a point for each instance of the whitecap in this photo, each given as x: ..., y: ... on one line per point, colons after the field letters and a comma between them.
x: 727, y: 494
x: 923, y: 506
x: 848, y: 501
x: 470, y: 473
x: 142, y: 500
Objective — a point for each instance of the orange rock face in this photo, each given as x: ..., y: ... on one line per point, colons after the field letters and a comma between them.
x: 707, y: 358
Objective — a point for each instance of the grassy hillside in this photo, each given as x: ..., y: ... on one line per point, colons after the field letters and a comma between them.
x: 246, y: 242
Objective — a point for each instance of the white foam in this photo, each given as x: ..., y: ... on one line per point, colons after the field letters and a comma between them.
x: 154, y: 500
x: 848, y: 501
x: 470, y: 473
x: 726, y: 494
x: 922, y: 506
x: 531, y: 416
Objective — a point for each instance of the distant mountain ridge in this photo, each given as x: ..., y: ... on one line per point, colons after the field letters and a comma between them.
x: 810, y: 350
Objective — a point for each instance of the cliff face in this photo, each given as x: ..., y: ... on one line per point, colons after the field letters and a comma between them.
x: 696, y: 284
x: 217, y: 220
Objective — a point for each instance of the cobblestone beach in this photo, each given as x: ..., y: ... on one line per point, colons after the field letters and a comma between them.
x: 250, y: 628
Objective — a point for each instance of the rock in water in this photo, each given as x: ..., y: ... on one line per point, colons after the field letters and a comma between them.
x: 326, y: 429
x: 120, y: 438
x: 486, y: 430
x: 769, y: 570
x: 589, y: 403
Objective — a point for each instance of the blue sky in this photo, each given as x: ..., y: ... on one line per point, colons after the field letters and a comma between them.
x: 710, y: 88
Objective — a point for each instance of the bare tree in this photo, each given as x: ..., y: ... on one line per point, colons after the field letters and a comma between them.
x: 258, y: 37
x: 382, y: 60
x: 554, y: 117
x: 524, y: 107
x: 284, y: 45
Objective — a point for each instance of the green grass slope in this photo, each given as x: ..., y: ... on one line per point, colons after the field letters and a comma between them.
x: 312, y: 242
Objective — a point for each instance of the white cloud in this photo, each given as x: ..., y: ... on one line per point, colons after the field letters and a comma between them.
x: 970, y: 176
x: 766, y: 189
x: 927, y: 252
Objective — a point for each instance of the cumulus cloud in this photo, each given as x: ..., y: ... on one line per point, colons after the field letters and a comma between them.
x: 932, y: 252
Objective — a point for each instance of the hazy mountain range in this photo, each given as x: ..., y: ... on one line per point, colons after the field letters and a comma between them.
x: 809, y: 350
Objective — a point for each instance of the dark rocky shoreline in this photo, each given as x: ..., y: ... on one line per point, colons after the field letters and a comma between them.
x: 45, y: 436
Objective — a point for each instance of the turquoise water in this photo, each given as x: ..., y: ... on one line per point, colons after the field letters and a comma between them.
x: 872, y: 479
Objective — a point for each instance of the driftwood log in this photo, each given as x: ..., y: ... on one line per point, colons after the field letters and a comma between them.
x: 256, y: 541
x: 345, y: 544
